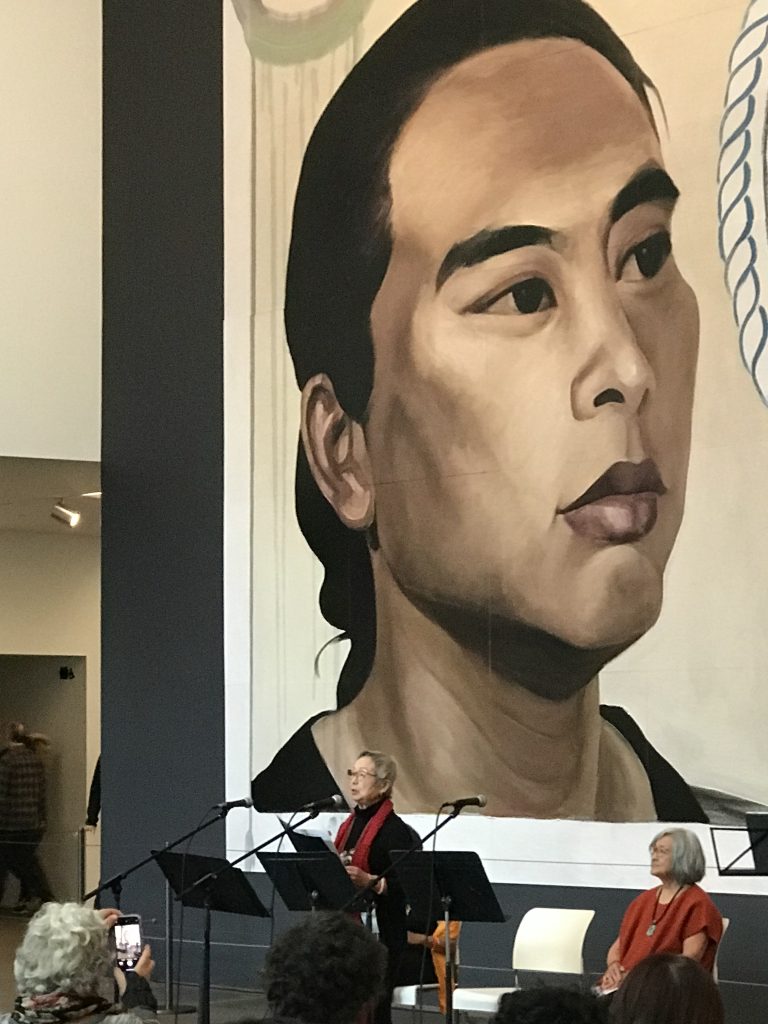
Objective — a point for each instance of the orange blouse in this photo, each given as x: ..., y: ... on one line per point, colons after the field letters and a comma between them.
x: 691, y: 912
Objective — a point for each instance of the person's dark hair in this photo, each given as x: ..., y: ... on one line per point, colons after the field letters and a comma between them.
x: 549, y: 1006
x: 340, y: 242
x: 324, y: 970
x: 667, y: 989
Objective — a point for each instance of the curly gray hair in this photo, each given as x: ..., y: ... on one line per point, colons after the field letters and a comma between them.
x: 65, y: 949
x: 688, y: 864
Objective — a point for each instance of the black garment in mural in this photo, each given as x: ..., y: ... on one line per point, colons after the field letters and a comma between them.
x: 298, y: 774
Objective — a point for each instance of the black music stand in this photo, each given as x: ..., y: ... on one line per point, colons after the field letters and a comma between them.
x: 756, y: 834
x: 309, y: 880
x: 228, y: 891
x: 460, y: 891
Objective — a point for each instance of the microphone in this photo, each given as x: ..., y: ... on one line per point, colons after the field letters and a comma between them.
x: 329, y: 803
x: 227, y: 805
x: 468, y: 801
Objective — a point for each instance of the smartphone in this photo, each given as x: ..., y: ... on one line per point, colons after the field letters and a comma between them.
x: 128, y: 941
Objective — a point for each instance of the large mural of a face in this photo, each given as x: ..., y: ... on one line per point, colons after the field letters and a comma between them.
x: 496, y: 351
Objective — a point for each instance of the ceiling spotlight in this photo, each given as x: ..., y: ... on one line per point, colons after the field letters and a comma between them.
x: 91, y: 494
x: 65, y: 515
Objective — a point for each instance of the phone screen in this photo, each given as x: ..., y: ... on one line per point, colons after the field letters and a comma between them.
x: 128, y: 941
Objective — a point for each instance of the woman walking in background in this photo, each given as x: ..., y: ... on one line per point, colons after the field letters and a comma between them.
x: 23, y: 817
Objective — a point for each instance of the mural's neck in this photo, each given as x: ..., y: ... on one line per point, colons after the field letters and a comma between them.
x: 456, y: 728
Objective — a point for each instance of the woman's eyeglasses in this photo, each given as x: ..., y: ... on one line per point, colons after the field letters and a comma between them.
x: 362, y: 774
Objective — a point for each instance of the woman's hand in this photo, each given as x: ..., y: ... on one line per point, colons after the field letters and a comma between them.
x: 145, y: 964
x: 109, y: 916
x: 613, y: 977
x: 359, y: 877
x: 143, y: 969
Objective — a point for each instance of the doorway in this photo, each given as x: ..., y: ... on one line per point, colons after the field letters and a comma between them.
x: 48, y: 694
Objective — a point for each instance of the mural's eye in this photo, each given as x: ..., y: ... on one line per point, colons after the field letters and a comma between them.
x: 647, y: 258
x: 533, y: 295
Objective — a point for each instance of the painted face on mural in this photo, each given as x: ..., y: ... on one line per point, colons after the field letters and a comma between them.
x: 535, y: 348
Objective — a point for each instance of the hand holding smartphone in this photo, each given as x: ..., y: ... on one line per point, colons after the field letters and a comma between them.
x: 128, y: 941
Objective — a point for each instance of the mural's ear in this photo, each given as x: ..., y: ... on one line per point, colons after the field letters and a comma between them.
x: 337, y: 453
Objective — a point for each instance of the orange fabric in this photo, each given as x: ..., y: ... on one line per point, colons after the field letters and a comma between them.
x: 690, y: 913
x: 438, y: 957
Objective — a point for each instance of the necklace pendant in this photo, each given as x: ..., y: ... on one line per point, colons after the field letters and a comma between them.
x: 651, y: 928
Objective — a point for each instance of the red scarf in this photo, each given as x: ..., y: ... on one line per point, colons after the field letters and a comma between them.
x: 369, y: 833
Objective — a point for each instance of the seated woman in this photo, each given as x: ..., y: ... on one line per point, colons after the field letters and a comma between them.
x: 667, y: 989
x: 674, y: 917
x: 65, y: 971
x: 435, y: 943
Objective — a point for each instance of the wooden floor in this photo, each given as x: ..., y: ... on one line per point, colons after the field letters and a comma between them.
x: 11, y: 932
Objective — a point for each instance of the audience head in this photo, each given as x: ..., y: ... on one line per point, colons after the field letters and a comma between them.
x: 17, y: 733
x: 326, y: 970
x: 667, y: 989
x: 548, y: 1006
x: 65, y: 949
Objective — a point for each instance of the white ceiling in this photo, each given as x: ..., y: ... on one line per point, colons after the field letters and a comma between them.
x: 30, y: 487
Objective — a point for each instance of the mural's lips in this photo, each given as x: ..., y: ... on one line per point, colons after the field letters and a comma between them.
x: 620, y: 506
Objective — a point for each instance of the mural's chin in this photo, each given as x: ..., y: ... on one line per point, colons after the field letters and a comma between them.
x: 611, y: 605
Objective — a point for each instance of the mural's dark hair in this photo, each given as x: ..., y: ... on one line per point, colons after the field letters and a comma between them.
x: 340, y: 242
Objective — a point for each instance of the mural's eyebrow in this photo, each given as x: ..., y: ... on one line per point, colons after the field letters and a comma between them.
x: 649, y: 185
x: 488, y: 243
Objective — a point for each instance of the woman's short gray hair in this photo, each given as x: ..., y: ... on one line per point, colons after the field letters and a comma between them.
x: 65, y: 949
x: 385, y: 766
x: 688, y: 864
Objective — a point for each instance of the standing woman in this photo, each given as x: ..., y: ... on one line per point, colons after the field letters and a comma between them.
x: 365, y: 841
x: 676, y: 916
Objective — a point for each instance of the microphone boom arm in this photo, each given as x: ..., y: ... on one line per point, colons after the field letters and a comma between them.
x: 212, y: 877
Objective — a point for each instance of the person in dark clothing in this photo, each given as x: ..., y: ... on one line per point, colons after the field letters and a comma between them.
x: 365, y: 841
x: 23, y: 818
x: 326, y: 970
x: 94, y: 798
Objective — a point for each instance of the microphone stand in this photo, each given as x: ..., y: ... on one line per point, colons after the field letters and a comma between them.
x: 367, y: 893
x: 207, y: 883
x: 115, y: 883
x: 398, y: 860
x: 212, y: 877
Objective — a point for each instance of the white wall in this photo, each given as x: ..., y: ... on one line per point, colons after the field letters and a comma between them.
x: 50, y: 208
x: 50, y: 603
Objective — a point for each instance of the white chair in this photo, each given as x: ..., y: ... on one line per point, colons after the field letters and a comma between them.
x: 548, y: 939
x: 408, y: 996
x: 726, y: 922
